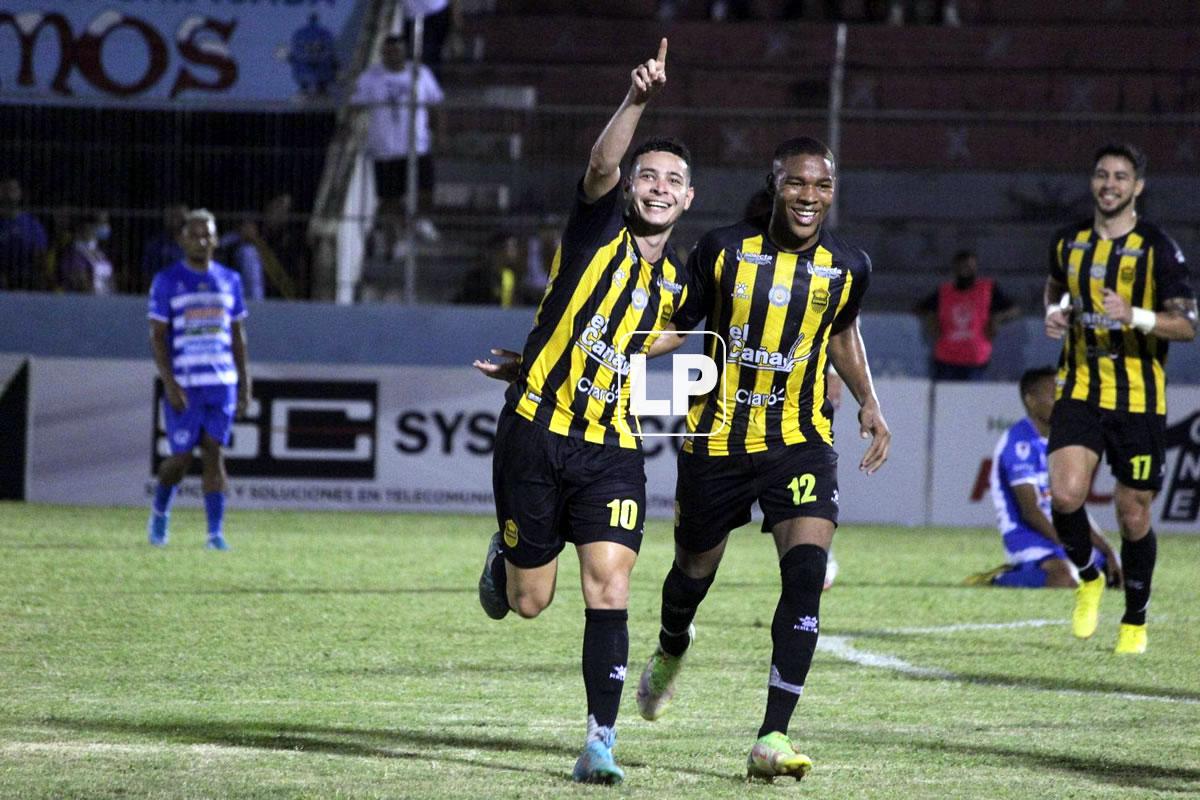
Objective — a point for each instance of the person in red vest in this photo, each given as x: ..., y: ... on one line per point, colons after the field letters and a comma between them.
x: 962, y: 318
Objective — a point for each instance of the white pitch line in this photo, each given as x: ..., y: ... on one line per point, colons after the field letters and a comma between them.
x: 979, y: 626
x: 841, y: 647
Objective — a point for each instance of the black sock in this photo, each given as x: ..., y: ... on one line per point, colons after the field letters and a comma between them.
x: 1075, y: 532
x: 605, y: 655
x: 793, y: 632
x: 1137, y: 559
x: 681, y: 596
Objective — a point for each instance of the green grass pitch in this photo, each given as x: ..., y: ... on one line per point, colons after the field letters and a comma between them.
x: 345, y: 656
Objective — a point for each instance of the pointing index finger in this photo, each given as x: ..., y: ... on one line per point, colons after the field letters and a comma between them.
x: 662, y: 53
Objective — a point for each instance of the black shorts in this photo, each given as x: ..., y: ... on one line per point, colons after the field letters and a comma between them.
x: 713, y: 494
x: 391, y: 177
x: 553, y: 489
x: 1134, y: 444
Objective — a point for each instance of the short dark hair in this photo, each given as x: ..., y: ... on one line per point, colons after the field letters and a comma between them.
x: 803, y: 146
x: 1030, y: 377
x: 1127, y: 150
x: 664, y: 144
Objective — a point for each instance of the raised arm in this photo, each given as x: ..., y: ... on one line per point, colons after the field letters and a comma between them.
x: 604, y: 163
x: 849, y: 357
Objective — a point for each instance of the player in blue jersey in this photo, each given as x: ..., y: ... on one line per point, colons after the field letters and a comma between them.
x: 1020, y: 484
x: 199, y: 343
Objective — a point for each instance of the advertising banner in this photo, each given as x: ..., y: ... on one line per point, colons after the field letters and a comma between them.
x: 375, y: 438
x: 206, y: 51
x: 970, y: 418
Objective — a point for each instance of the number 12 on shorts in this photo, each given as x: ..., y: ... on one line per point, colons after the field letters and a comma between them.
x: 624, y: 514
x: 803, y: 483
x: 1140, y: 467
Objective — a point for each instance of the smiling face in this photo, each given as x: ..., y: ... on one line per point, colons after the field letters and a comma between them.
x: 1115, y: 185
x: 804, y: 189
x: 659, y: 190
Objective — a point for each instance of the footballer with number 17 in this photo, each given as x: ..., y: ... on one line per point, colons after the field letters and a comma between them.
x: 1125, y: 282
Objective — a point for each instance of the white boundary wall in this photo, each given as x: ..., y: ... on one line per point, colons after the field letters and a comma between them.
x: 420, y: 439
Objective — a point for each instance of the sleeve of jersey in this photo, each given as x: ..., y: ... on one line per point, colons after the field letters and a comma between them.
x: 862, y: 279
x: 592, y: 222
x: 1172, y: 270
x: 700, y: 265
x: 159, y: 307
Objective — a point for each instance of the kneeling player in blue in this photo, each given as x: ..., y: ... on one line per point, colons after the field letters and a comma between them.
x: 199, y: 344
x: 1020, y: 485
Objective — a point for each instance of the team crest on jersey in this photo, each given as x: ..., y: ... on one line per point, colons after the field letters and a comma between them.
x: 820, y: 299
x: 640, y: 298
x: 511, y: 534
x: 779, y: 295
x: 760, y: 357
x: 1132, y: 252
x: 591, y: 341
x: 1098, y: 271
x: 823, y: 272
x: 619, y: 276
x: 1127, y: 274
x: 761, y: 259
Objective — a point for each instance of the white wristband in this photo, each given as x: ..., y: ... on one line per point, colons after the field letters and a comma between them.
x: 1144, y: 319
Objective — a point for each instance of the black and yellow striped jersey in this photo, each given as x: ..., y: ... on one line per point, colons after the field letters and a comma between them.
x: 1103, y: 362
x: 775, y: 312
x: 601, y: 289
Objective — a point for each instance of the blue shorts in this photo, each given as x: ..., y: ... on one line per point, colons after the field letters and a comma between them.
x: 1025, y: 546
x: 209, y: 409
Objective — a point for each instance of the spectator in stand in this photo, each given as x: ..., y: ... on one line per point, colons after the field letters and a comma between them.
x: 83, y: 266
x: 238, y: 250
x: 23, y: 241
x: 384, y: 89
x: 285, y: 253
x: 162, y: 249
x: 496, y: 280
x: 962, y: 318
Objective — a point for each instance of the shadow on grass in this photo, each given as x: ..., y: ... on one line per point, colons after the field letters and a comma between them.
x: 1124, y: 774
x: 344, y: 741
x: 1073, y: 685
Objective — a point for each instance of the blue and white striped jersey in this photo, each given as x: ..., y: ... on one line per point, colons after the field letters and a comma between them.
x: 199, y: 309
x: 1020, y: 457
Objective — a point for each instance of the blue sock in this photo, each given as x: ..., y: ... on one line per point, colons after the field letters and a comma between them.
x: 1027, y: 576
x: 214, y: 509
x: 163, y: 495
